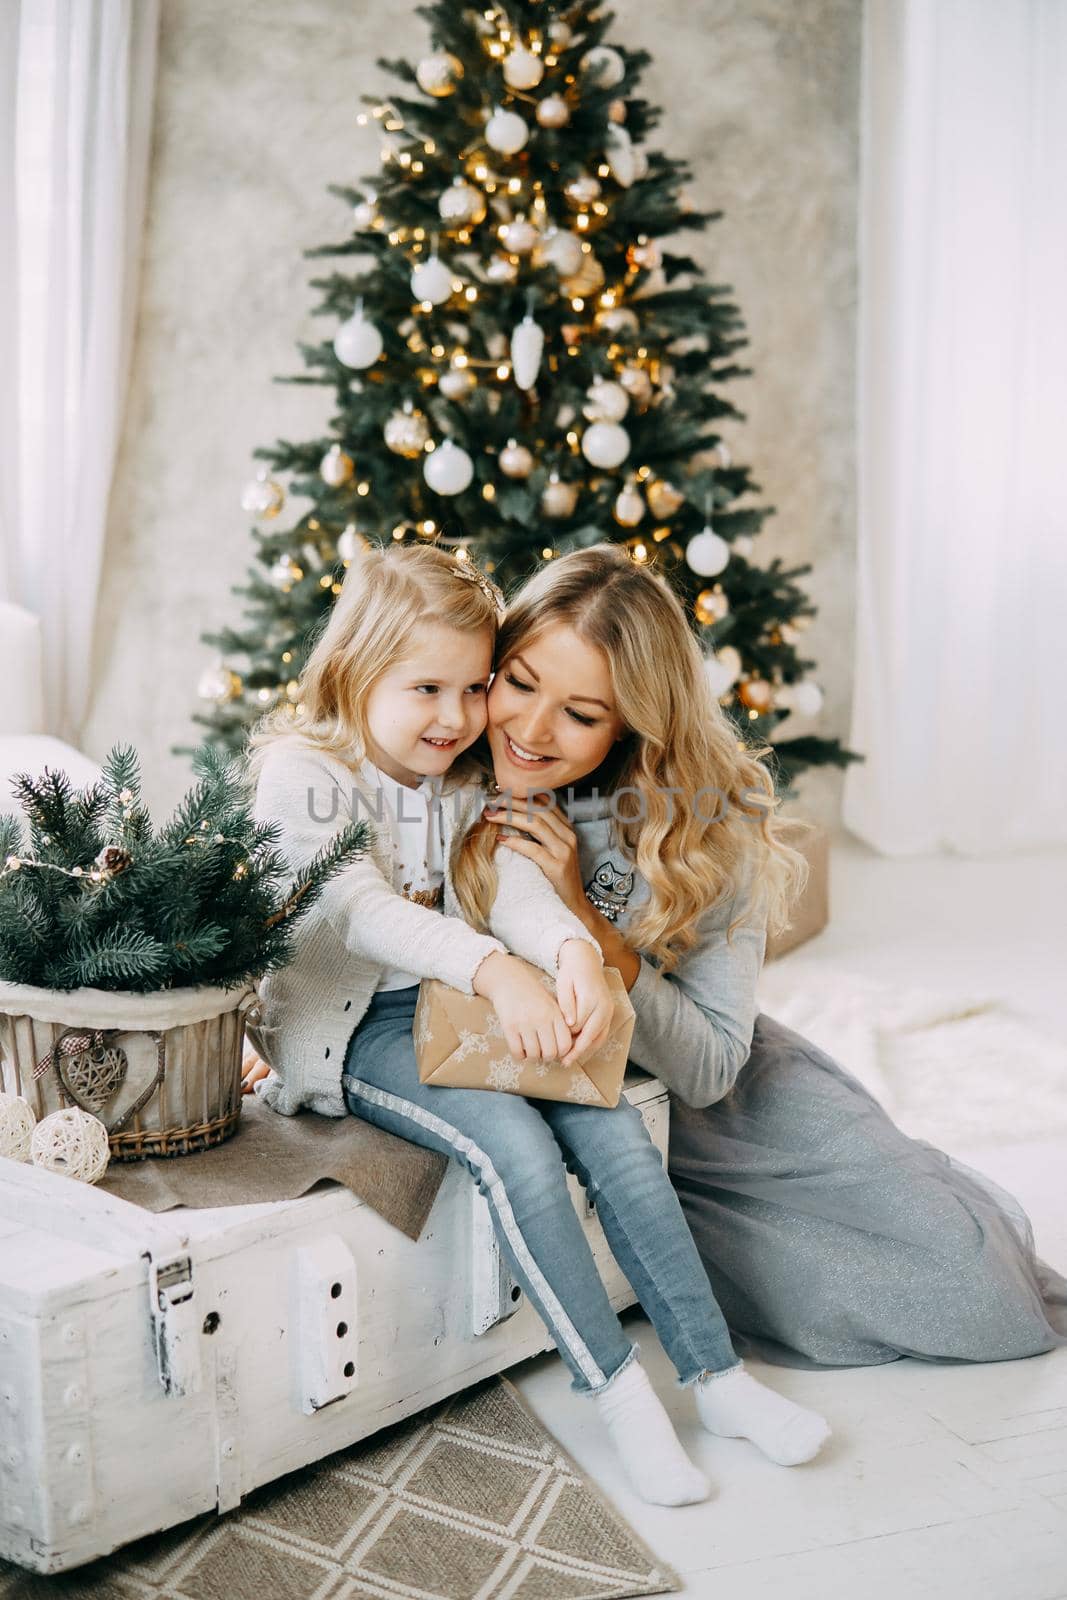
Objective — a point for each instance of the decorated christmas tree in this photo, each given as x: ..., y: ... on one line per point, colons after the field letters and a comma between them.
x: 522, y: 367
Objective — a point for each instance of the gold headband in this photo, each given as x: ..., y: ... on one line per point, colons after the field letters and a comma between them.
x: 472, y: 574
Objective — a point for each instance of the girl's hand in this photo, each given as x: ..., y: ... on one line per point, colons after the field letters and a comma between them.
x: 534, y: 1029
x: 252, y: 1070
x: 548, y: 839
x: 584, y: 997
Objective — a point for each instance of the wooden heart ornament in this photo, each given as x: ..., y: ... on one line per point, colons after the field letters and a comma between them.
x: 94, y: 1072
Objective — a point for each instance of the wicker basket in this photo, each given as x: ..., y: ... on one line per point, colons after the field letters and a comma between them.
x: 162, y: 1071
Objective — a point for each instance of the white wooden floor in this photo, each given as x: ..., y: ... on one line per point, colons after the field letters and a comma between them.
x: 941, y: 1483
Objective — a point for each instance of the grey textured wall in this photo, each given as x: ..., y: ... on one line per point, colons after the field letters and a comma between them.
x: 256, y: 107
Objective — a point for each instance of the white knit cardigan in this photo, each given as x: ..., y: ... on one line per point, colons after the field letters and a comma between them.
x: 360, y: 924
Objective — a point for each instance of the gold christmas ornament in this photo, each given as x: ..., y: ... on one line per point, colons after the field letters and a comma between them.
x: 639, y: 552
x: 711, y: 605
x: 582, y: 191
x: 406, y: 432
x: 515, y: 460
x: 663, y: 498
x: 756, y: 693
x: 629, y: 507
x: 438, y: 74
x: 336, y: 467
x: 572, y: 334
x: 587, y: 280
x: 263, y: 496
x: 553, y: 112
x: 617, y: 111
x: 558, y: 499
x: 462, y: 203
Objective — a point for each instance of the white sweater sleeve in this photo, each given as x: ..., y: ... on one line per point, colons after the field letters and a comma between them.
x: 364, y: 911
x: 529, y: 916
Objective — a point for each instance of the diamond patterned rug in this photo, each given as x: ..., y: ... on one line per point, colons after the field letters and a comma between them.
x: 471, y: 1500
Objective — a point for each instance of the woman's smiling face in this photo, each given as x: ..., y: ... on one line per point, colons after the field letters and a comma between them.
x: 552, y: 713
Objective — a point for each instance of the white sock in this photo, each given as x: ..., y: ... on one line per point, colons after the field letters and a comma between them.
x: 642, y: 1433
x: 735, y: 1405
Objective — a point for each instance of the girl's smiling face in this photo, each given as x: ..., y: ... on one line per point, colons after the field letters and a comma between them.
x: 552, y: 713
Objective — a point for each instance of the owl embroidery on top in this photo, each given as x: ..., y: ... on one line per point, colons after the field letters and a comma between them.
x: 609, y: 889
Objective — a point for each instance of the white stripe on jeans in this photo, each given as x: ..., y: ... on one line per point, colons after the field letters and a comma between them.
x: 459, y: 1141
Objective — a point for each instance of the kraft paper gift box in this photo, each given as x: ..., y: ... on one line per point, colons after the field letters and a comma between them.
x: 459, y: 1044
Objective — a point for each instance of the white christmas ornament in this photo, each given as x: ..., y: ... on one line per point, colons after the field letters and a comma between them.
x: 620, y: 320
x: 560, y: 33
x: 519, y: 236
x: 365, y: 212
x: 456, y: 382
x: 606, y: 401
x: 406, y: 432
x: 217, y: 683
x: 16, y: 1127
x: 805, y: 698
x: 620, y: 156
x: 561, y: 250
x: 432, y: 281
x: 719, y: 675
x: 605, y: 445
x: 352, y: 544
x: 743, y: 547
x: 501, y: 270
x: 553, y: 111
x: 707, y: 553
x: 506, y: 132
x: 462, y: 203
x: 263, y: 496
x: 448, y: 469
x: 527, y: 345
x: 71, y: 1142
x: 522, y: 69
x: 437, y: 74
x: 637, y: 383
x: 606, y: 65
x: 357, y: 342
x: 282, y: 575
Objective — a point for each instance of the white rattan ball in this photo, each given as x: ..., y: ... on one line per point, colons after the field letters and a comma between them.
x: 16, y: 1126
x: 73, y: 1143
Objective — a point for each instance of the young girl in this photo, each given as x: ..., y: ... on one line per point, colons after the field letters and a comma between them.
x: 352, y: 988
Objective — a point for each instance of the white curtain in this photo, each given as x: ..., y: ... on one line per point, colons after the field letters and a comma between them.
x: 76, y: 90
x: 961, y: 659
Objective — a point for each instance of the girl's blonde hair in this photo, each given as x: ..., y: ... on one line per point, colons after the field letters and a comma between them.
x: 386, y: 593
x: 678, y: 737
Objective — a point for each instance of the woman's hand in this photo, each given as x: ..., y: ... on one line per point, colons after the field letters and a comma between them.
x: 252, y: 1070
x: 549, y: 840
x: 534, y: 1029
x: 584, y: 997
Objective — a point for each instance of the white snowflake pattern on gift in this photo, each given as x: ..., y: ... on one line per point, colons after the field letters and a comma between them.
x: 494, y: 1028
x: 423, y: 1031
x: 470, y: 1043
x: 505, y: 1074
x: 582, y: 1088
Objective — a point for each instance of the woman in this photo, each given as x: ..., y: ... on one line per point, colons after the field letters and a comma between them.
x: 830, y: 1237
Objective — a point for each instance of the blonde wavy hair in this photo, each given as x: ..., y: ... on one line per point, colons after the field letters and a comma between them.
x: 386, y: 593
x: 678, y: 737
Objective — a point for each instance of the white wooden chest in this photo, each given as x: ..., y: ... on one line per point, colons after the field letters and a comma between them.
x: 153, y: 1367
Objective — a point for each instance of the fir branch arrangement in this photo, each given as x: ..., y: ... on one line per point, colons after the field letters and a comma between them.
x: 98, y: 899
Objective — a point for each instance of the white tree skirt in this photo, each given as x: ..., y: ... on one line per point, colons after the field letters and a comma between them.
x: 951, y: 1068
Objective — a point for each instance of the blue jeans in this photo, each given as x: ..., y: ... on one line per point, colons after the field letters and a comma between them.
x: 519, y: 1151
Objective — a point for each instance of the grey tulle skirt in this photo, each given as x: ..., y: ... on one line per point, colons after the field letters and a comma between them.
x: 833, y: 1239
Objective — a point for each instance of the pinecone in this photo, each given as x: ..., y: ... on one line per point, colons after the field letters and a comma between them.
x: 113, y: 859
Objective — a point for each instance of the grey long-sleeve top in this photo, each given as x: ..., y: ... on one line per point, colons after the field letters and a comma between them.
x: 694, y: 1025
